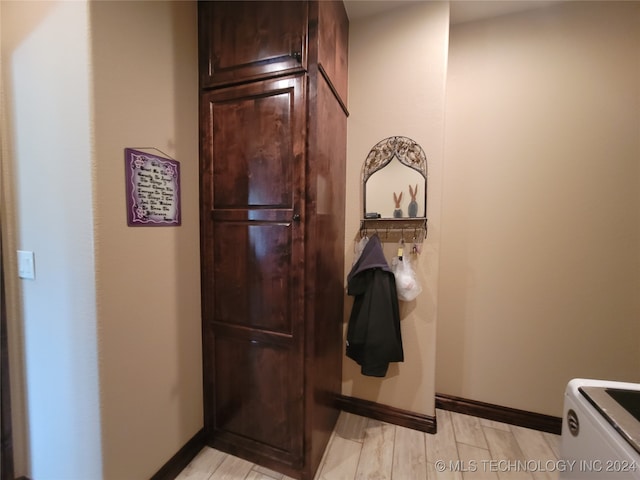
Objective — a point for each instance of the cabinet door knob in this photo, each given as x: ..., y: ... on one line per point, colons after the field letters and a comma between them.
x: 296, y: 217
x: 297, y: 56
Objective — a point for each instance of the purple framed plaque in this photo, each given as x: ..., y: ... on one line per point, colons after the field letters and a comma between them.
x: 153, y: 189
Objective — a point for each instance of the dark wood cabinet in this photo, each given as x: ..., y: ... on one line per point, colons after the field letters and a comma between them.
x: 250, y: 40
x: 273, y: 150
x: 255, y: 277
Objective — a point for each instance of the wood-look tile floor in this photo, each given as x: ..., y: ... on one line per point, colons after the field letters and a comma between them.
x: 465, y: 448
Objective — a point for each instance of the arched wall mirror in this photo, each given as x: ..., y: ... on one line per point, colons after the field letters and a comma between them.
x: 395, y: 180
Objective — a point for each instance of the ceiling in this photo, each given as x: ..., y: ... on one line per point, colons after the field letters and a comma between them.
x: 461, y: 10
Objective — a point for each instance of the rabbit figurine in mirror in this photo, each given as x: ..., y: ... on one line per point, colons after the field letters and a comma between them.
x: 397, y: 213
x: 413, y: 205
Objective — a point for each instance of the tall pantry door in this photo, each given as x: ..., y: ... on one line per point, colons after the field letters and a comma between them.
x: 253, y: 166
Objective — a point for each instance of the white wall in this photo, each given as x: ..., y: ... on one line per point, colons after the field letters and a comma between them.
x: 105, y: 343
x: 46, y: 68
x: 540, y: 264
x: 397, y: 72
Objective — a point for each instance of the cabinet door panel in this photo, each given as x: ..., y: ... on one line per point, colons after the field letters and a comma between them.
x: 242, y: 41
x: 264, y: 402
x: 253, y: 177
x: 261, y: 298
x: 252, y: 143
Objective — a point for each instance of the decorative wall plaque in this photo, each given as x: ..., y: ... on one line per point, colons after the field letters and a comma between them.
x: 153, y: 189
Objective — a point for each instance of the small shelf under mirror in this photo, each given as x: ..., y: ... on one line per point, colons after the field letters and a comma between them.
x: 394, y: 229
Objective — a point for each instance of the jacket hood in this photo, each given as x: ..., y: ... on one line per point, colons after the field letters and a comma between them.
x: 372, y: 257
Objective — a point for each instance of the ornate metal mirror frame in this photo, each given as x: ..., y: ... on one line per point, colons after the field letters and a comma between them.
x: 409, y: 153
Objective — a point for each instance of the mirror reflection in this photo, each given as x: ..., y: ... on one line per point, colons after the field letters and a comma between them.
x: 395, y: 180
x: 396, y: 191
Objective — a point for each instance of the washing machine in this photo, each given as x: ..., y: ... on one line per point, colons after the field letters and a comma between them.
x: 600, y: 431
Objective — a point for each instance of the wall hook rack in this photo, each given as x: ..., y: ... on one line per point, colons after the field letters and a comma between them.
x: 394, y: 229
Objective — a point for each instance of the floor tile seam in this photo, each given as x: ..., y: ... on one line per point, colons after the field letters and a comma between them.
x: 492, y: 453
x: 325, y: 454
x: 424, y: 440
x: 508, y: 476
x: 453, y: 424
x: 358, y: 438
x: 453, y: 433
x: 552, y: 448
x: 426, y: 456
x: 240, y: 458
x: 393, y: 451
x: 470, y: 444
x: 225, y: 455
x: 544, y: 440
x: 254, y: 469
x: 364, y: 436
x: 330, y: 444
x: 515, y: 439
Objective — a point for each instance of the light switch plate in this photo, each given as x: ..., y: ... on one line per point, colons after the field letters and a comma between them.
x: 26, y: 265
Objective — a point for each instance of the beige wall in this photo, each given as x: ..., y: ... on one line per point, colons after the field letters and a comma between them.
x: 539, y: 267
x: 105, y: 342
x: 397, y: 71
x: 148, y: 281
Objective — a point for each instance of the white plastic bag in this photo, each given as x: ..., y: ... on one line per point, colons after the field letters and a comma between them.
x: 358, y: 248
x: 407, y: 284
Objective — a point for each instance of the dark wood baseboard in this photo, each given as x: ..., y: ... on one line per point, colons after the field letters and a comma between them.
x: 385, y: 413
x: 513, y: 416
x: 180, y: 460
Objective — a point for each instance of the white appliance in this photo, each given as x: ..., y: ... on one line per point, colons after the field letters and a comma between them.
x: 600, y: 431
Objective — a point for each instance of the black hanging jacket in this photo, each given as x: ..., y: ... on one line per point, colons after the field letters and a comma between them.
x: 373, y: 334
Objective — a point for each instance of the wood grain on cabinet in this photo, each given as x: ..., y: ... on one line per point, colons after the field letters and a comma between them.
x: 245, y: 41
x: 273, y: 157
x: 253, y: 171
